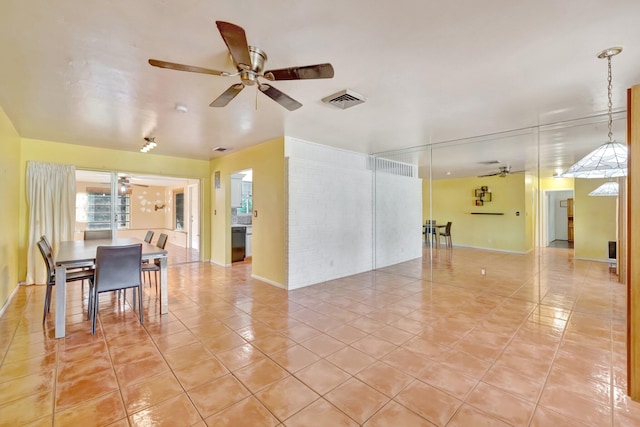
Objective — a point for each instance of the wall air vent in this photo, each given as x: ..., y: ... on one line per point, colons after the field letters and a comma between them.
x: 219, y: 149
x: 344, y: 99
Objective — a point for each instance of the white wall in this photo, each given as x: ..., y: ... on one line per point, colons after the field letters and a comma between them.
x: 330, y: 230
x: 398, y: 219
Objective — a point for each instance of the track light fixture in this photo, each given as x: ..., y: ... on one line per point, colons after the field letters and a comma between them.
x: 149, y: 145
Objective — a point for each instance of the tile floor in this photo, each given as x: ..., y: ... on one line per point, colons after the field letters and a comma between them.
x: 534, y: 341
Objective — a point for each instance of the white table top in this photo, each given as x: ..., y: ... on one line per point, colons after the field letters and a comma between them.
x: 84, y: 251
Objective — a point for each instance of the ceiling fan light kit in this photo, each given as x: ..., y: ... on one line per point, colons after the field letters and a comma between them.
x: 610, y: 159
x: 250, y: 61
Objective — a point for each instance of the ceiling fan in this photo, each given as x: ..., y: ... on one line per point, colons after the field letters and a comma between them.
x: 249, y: 61
x: 503, y: 171
x: 123, y: 182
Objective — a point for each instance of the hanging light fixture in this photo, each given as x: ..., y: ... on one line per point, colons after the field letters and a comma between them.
x: 607, y: 189
x: 610, y: 159
x: 149, y: 145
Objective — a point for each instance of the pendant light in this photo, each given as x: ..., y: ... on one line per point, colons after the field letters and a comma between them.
x: 607, y: 189
x: 610, y: 159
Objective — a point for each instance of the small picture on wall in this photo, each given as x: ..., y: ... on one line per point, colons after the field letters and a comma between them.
x: 478, y: 192
x: 487, y: 197
x: 479, y: 203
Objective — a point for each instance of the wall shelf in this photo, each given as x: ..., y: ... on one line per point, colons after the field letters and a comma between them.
x: 487, y: 213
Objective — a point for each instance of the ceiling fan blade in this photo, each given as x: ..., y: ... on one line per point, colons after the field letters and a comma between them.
x: 236, y: 41
x: 318, y: 71
x: 489, y: 174
x: 182, y: 67
x: 227, y: 95
x: 285, y: 100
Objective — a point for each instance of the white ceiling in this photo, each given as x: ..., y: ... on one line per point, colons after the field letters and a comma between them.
x: 77, y: 72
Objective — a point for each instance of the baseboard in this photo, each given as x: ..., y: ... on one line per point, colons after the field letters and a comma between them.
x: 11, y: 296
x: 217, y: 263
x: 270, y: 282
x: 494, y: 249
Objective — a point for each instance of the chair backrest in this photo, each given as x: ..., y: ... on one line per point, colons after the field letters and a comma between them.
x: 118, y: 267
x: 162, y: 241
x: 148, y: 236
x: 447, y: 229
x: 47, y: 242
x: 97, y: 234
x: 47, y: 256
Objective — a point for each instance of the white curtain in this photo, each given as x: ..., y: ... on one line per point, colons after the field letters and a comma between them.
x: 51, y: 200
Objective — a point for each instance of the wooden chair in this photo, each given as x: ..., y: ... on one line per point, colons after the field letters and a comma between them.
x: 117, y: 268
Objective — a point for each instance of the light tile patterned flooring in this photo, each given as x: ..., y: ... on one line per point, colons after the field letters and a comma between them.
x: 387, y: 348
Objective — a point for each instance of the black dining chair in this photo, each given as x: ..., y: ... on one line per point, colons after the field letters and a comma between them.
x: 430, y: 232
x: 97, y: 234
x: 154, y: 266
x: 148, y: 236
x: 117, y: 268
x: 447, y: 235
x: 72, y: 276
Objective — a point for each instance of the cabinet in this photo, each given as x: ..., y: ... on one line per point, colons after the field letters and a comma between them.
x: 236, y: 193
x: 570, y: 220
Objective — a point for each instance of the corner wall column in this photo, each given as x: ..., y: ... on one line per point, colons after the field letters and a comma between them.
x: 633, y: 243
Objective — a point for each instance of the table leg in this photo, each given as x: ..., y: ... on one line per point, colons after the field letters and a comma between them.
x: 164, y: 296
x: 61, y: 301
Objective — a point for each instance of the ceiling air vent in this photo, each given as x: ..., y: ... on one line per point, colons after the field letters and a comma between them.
x: 344, y: 99
x: 220, y: 149
x: 489, y: 162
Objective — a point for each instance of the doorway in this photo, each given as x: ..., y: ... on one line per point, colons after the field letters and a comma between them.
x: 242, y: 216
x: 143, y: 203
x: 558, y: 218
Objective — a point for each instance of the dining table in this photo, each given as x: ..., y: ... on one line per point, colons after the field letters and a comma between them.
x: 78, y: 253
x: 431, y: 229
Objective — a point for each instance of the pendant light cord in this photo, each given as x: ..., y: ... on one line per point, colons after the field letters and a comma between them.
x: 610, y: 104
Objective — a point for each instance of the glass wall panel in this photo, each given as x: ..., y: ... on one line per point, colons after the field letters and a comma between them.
x: 496, y: 217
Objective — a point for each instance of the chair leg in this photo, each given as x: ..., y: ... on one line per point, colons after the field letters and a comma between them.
x: 47, y: 303
x: 140, y: 304
x: 90, y: 302
x: 95, y: 312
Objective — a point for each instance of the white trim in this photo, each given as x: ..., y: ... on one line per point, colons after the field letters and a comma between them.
x: 270, y: 282
x: 593, y: 259
x: 217, y: 263
x: 13, y: 294
x: 494, y: 249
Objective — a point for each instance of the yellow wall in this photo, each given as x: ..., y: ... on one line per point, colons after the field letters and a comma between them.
x: 453, y: 200
x: 111, y: 160
x: 594, y: 221
x: 10, y: 212
x: 594, y: 217
x: 268, y: 254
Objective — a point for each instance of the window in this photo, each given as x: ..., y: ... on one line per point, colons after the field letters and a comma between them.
x: 94, y: 207
x: 179, y: 198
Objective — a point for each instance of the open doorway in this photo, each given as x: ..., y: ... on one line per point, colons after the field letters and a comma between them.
x: 241, y: 216
x: 130, y: 204
x: 558, y: 230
